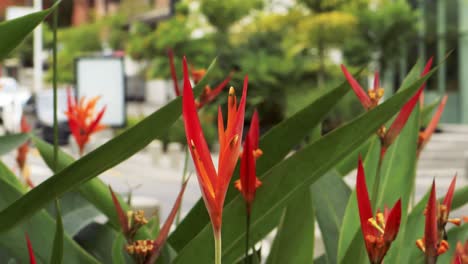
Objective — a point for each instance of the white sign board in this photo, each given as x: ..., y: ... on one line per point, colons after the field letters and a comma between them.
x: 13, y: 12
x: 104, y: 77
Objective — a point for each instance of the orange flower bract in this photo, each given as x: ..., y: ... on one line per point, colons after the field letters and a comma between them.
x: 214, y: 183
x: 82, y: 120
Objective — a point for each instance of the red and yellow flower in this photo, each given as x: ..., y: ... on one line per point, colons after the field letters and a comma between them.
x: 214, y: 183
x: 434, y: 242
x: 379, y: 231
x: 82, y: 120
x: 248, y: 182
x: 371, y: 99
x: 425, y: 136
x: 197, y: 75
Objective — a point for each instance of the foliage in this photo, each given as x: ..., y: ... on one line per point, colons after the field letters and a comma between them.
x: 299, y: 185
x: 381, y: 32
x: 75, y: 42
x: 222, y: 14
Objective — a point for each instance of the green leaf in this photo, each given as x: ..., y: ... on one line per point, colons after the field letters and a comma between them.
x: 349, y: 163
x: 40, y: 228
x: 94, y: 191
x: 289, y: 177
x: 12, y: 32
x: 294, y: 242
x: 275, y: 144
x: 12, y: 142
x: 330, y: 208
x: 98, y: 240
x: 57, y: 252
x: 76, y: 212
x: 399, y: 173
x: 103, y: 158
x: 428, y: 111
x: 118, y: 249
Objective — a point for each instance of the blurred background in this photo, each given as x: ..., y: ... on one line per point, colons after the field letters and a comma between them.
x: 291, y: 49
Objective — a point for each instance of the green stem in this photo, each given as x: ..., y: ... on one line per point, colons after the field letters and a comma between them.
x: 247, y: 234
x: 184, y: 178
x: 375, y: 190
x: 54, y: 84
x: 218, y: 248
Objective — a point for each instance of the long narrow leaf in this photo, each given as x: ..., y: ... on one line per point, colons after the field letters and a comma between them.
x: 12, y: 32
x: 330, y: 208
x: 57, y: 252
x: 39, y: 228
x: 294, y: 242
x: 12, y: 142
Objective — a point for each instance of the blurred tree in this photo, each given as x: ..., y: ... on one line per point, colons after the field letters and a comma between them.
x: 328, y: 23
x: 382, y: 28
x: 222, y: 14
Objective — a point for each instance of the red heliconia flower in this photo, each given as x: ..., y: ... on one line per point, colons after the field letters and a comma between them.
x: 425, y: 136
x: 32, y: 258
x: 197, y: 74
x: 82, y: 120
x: 370, y: 99
x: 23, y: 149
x: 248, y: 182
x: 434, y: 242
x: 379, y: 231
x: 461, y: 253
x: 152, y: 248
x: 387, y: 137
x: 22, y: 154
x: 209, y: 94
x: 214, y: 184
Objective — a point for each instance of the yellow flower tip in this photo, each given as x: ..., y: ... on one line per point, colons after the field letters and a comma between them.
x: 371, y: 239
x: 192, y: 144
x: 130, y: 249
x: 234, y: 141
x: 139, y: 217
x: 380, y: 219
x: 380, y: 92
x: 140, y: 247
x: 455, y: 221
x: 257, y: 153
x: 381, y: 132
x: 129, y: 214
x: 443, y: 247
x: 420, y: 244
x: 238, y: 185
x: 376, y: 225
x: 232, y: 91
